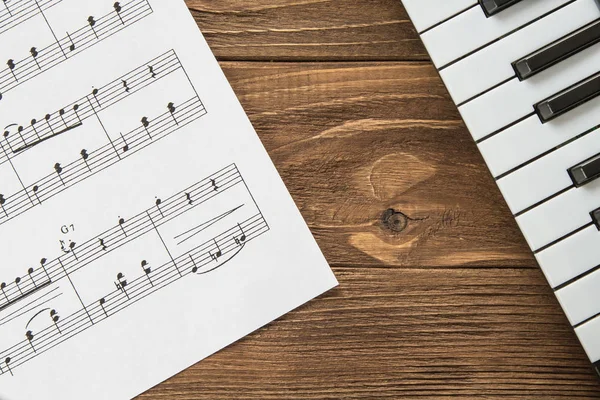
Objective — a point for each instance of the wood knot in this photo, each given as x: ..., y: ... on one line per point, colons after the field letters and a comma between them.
x: 394, y: 220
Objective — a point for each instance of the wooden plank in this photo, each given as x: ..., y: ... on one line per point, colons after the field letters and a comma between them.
x: 296, y: 30
x: 354, y: 140
x: 405, y: 333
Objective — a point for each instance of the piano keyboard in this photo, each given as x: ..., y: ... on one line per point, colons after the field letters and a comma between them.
x: 525, y: 75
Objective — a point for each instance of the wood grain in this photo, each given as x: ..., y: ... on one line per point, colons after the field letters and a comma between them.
x: 264, y: 30
x: 439, y: 295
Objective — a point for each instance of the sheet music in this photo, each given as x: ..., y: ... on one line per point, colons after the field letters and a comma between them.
x: 143, y: 226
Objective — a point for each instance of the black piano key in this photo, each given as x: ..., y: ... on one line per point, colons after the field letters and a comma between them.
x: 597, y: 367
x: 568, y: 99
x: 558, y: 51
x: 491, y: 7
x: 586, y: 171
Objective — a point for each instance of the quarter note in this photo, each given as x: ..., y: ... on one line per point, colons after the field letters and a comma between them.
x: 72, y: 248
x: 59, y: 171
x: 95, y: 94
x: 121, y: 284
x: 92, y: 22
x: 11, y: 67
x: 7, y: 362
x: 125, y: 144
x: 35, y: 190
x: 215, y: 256
x: 147, y: 270
x: 242, y: 239
x: 29, y: 336
x: 85, y: 156
x: 195, y: 267
x: 34, y: 54
x: 54, y: 316
x: 146, y: 124
x: 2, y: 202
x: 102, y: 301
x: 72, y: 45
x: 158, y: 203
x: 118, y: 8
x: 172, y: 109
x: 121, y: 222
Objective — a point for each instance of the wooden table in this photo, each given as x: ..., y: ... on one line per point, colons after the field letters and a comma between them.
x: 439, y: 295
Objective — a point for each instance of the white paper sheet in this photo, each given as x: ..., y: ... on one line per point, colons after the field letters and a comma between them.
x: 142, y: 225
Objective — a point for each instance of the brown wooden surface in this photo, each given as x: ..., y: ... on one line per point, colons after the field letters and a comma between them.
x: 439, y: 295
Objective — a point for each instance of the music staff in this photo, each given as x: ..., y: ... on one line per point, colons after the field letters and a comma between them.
x: 74, y: 115
x: 92, y: 162
x: 96, y: 30
x: 124, y: 232
x: 16, y: 12
x: 195, y: 262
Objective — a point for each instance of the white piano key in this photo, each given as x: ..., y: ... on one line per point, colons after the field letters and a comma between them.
x: 426, y: 13
x: 515, y: 99
x: 548, y: 175
x: 560, y: 215
x: 493, y: 64
x: 472, y: 29
x: 581, y: 299
x: 530, y: 138
x: 589, y: 336
x: 571, y: 257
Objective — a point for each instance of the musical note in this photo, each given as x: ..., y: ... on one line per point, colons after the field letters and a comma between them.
x: 29, y: 336
x: 102, y: 301
x: 72, y: 45
x: 121, y: 284
x: 2, y: 287
x: 7, y: 362
x: 17, y: 282
x: 118, y: 9
x: 95, y: 94
x: 2, y: 202
x: 32, y: 123
x: 121, y: 222
x: 242, y: 239
x: 59, y: 171
x: 85, y: 156
x: 158, y: 203
x: 30, y: 273
x: 146, y: 124
x: 171, y: 108
x: 11, y: 67
x: 72, y: 250
x: 147, y: 270
x: 54, y: 316
x: 219, y: 253
x: 92, y: 23
x: 47, y: 119
x: 195, y: 267
x: 75, y: 109
x: 34, y: 54
x: 35, y: 190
